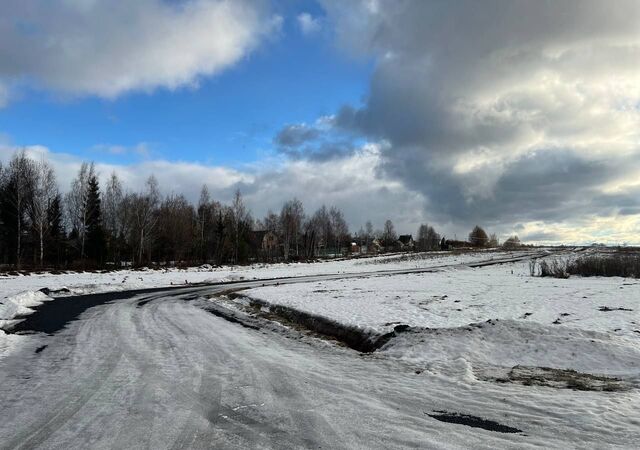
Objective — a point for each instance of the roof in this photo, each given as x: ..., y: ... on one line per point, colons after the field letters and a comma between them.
x: 405, y: 238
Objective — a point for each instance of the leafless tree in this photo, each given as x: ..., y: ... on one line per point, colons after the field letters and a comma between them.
x: 176, y: 227
x: 77, y: 204
x: 241, y: 221
x: 428, y: 238
x: 112, y: 206
x: 19, y: 183
x: 291, y: 218
x: 271, y: 222
x: 321, y: 222
x: 389, y: 236
x: 143, y: 212
x: 368, y: 230
x: 338, y: 226
x: 45, y: 190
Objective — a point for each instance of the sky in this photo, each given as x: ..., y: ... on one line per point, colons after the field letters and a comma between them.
x: 520, y: 116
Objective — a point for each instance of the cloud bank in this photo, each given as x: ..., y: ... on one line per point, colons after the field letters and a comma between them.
x: 350, y: 183
x: 523, y: 116
x: 109, y: 47
x: 502, y: 112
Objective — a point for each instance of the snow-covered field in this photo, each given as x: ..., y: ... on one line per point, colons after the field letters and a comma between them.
x: 558, y: 358
x: 19, y: 292
x: 590, y: 325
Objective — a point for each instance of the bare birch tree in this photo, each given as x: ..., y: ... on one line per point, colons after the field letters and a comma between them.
x: 291, y: 218
x: 241, y: 221
x: 45, y: 191
x: 144, y: 215
x: 78, y: 205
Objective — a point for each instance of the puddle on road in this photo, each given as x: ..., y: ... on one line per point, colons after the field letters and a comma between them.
x: 472, y: 421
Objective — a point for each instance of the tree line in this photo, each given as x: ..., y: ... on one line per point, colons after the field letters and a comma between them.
x: 94, y: 226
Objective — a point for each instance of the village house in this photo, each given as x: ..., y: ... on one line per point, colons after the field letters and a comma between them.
x: 405, y: 242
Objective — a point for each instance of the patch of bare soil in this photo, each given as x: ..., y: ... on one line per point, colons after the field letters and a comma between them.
x: 609, y: 309
x: 563, y: 379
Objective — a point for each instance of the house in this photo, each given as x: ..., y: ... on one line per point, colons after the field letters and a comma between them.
x: 375, y: 247
x: 405, y: 242
x: 264, y: 244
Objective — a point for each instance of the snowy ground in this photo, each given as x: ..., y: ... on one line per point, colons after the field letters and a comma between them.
x: 19, y: 292
x: 491, y: 342
x: 534, y: 316
x: 168, y: 374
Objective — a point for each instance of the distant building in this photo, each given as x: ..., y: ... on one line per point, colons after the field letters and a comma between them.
x: 405, y: 242
x: 264, y: 244
x: 375, y: 247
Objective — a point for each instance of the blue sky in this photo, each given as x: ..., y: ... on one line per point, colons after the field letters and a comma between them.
x: 227, y: 119
x: 520, y: 116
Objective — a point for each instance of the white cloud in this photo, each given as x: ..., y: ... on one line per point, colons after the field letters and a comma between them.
x: 350, y: 183
x: 354, y: 183
x: 109, y: 47
x: 308, y: 24
x: 142, y: 150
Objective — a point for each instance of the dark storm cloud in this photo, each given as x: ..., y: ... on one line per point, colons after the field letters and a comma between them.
x: 467, y: 94
x: 548, y: 185
x: 320, y: 142
x: 292, y: 136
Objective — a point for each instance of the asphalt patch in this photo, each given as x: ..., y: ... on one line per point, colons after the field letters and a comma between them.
x: 53, y: 315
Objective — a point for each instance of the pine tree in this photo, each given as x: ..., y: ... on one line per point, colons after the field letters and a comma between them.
x: 96, y: 243
x: 56, y: 233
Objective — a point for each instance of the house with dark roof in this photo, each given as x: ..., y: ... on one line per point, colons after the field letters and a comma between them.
x: 405, y: 242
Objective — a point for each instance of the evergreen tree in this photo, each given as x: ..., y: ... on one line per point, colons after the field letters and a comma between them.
x: 478, y: 237
x: 56, y: 232
x: 96, y: 243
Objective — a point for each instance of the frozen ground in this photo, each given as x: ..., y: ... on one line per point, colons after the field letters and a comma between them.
x: 158, y: 371
x: 457, y: 296
x: 19, y: 292
x: 587, y: 324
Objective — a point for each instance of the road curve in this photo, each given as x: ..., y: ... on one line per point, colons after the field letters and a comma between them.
x: 170, y: 375
x: 158, y: 371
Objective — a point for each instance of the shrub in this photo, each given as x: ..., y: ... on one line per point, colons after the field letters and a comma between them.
x: 604, y: 265
x: 512, y: 242
x: 615, y: 265
x: 553, y: 268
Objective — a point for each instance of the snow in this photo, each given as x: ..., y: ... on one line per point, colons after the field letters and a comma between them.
x: 171, y: 373
x: 536, y: 321
x: 94, y: 282
x: 20, y: 292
